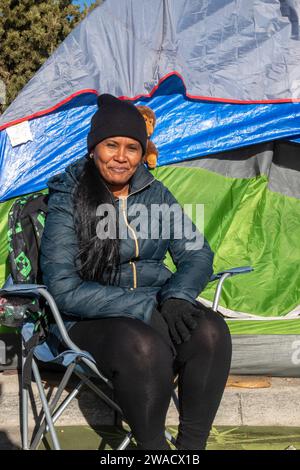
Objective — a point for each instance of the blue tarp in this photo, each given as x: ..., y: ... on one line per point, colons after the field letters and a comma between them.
x: 200, y: 57
x: 185, y: 129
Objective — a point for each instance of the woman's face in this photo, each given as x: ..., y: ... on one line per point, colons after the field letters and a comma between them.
x: 117, y: 159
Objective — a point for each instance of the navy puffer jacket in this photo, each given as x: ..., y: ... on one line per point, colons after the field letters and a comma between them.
x: 144, y: 281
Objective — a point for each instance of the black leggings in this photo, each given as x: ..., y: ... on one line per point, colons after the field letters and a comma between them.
x: 142, y: 368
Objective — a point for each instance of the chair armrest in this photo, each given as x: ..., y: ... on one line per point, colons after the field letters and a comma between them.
x: 224, y: 275
x: 40, y: 290
x: 22, y: 289
x: 10, y: 287
x: 232, y: 272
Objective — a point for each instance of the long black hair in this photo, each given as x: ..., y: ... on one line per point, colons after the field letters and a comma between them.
x: 97, y: 259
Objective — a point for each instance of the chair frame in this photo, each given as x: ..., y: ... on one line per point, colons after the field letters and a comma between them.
x: 50, y: 411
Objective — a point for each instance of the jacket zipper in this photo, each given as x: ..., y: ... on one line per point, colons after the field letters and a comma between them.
x: 134, y: 274
x: 132, y: 263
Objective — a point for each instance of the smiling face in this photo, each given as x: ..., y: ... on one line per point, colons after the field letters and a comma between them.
x: 117, y: 159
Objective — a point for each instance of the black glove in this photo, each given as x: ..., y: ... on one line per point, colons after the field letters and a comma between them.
x: 178, y: 315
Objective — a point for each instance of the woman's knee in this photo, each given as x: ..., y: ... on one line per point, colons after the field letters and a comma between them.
x: 218, y: 325
x: 213, y: 330
x: 144, y: 346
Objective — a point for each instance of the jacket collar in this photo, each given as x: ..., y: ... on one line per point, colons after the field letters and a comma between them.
x: 141, y: 178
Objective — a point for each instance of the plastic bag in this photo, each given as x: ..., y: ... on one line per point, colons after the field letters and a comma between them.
x: 14, y: 310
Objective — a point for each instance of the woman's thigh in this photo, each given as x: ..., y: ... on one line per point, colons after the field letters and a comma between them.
x: 120, y: 342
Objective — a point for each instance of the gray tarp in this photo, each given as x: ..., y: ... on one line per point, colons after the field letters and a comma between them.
x: 274, y: 355
x: 229, y: 49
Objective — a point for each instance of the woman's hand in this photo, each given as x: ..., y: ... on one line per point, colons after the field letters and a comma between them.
x: 178, y: 315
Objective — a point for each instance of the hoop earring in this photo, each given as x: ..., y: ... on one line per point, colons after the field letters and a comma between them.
x: 91, y: 155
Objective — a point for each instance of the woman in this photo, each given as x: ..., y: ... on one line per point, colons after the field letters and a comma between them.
x: 139, y: 320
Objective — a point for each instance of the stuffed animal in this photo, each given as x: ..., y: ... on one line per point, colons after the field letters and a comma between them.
x: 151, y: 152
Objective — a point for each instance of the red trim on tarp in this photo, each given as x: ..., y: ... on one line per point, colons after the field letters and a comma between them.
x: 196, y: 97
x: 48, y: 110
x: 209, y: 98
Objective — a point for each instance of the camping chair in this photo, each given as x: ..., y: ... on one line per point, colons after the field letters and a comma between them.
x: 28, y: 216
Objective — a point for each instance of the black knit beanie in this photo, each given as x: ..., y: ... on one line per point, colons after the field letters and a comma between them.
x: 116, y: 117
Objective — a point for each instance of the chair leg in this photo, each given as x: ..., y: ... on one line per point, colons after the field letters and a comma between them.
x: 45, y: 405
x: 99, y: 392
x: 24, y: 407
x: 125, y: 442
x: 43, y: 425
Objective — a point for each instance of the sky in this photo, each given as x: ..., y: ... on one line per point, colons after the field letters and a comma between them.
x: 81, y: 2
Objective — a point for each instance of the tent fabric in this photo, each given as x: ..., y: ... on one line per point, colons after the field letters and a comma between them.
x: 242, y: 315
x: 274, y: 355
x: 189, y: 62
x: 264, y: 327
x: 279, y: 162
x: 186, y: 129
x: 209, y: 44
x: 58, y: 139
x: 246, y: 224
